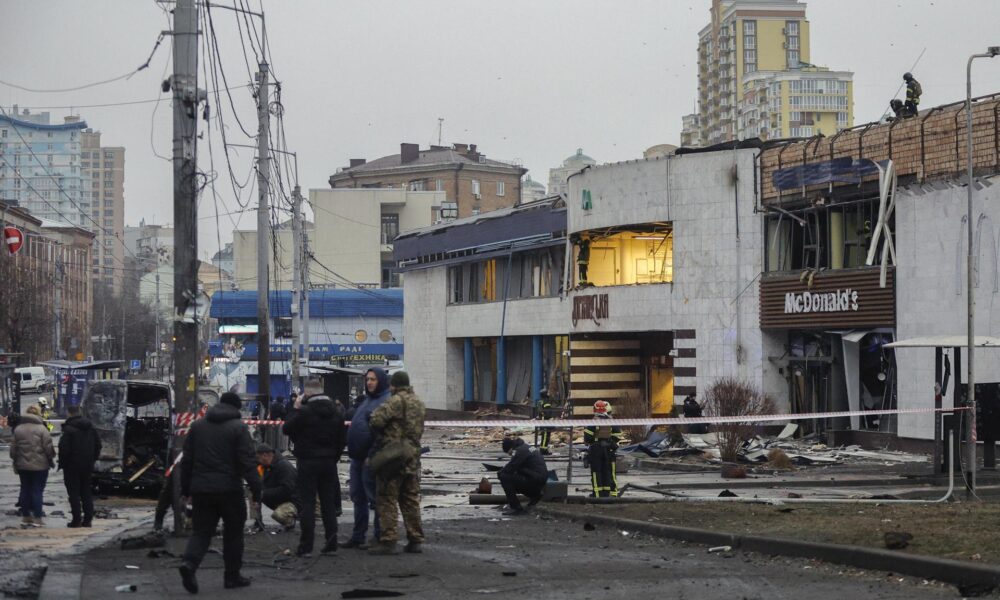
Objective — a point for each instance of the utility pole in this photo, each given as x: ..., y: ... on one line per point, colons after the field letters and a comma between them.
x: 186, y: 99
x: 57, y: 322
x: 159, y: 356
x: 296, y: 282
x: 263, y: 235
x: 306, y: 256
x: 440, y: 125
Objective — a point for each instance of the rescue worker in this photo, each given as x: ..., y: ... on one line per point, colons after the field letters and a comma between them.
x: 603, y: 442
x: 545, y: 433
x: 400, y: 418
x: 583, y: 260
x: 913, y: 93
x: 525, y: 473
x: 46, y: 414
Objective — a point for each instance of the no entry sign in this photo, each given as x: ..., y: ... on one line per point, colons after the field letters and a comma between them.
x: 14, y: 239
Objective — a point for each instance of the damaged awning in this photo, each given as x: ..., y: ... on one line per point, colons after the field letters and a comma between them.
x: 947, y: 341
x: 838, y: 170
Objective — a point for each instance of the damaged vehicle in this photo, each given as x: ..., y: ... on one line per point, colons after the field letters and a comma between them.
x: 132, y: 419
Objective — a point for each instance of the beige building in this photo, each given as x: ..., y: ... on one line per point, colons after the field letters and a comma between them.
x: 471, y: 182
x: 756, y: 52
x: 104, y: 167
x: 351, y: 240
x: 558, y: 176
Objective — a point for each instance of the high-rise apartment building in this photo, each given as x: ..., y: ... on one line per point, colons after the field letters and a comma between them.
x: 104, y: 167
x: 40, y: 167
x: 755, y: 77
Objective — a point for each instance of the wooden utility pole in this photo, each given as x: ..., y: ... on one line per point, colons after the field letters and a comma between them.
x: 296, y: 283
x: 186, y: 95
x: 263, y: 236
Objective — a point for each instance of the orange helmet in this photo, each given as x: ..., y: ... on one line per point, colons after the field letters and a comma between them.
x: 602, y: 407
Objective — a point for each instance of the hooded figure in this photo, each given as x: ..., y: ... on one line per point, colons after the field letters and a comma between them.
x: 32, y: 454
x: 79, y: 449
x: 360, y: 442
x: 525, y: 473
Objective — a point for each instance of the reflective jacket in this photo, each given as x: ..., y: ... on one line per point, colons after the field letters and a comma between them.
x: 611, y: 434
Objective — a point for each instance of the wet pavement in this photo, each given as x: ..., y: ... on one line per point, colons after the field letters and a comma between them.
x: 493, y: 554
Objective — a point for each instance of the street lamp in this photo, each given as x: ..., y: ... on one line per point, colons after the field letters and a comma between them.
x: 971, y: 458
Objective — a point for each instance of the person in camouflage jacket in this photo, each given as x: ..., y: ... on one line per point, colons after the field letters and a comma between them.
x: 401, y: 417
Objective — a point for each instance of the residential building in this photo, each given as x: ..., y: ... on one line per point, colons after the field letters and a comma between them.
x: 791, y: 104
x: 359, y: 227
x: 40, y: 167
x: 746, y: 37
x: 559, y: 175
x: 531, y: 190
x: 471, y: 181
x: 148, y: 239
x: 691, y: 131
x: 104, y: 166
x: 54, y: 262
x: 224, y: 258
x: 351, y: 242
x: 280, y: 257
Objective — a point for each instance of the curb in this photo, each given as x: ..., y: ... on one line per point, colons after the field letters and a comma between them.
x: 942, y: 569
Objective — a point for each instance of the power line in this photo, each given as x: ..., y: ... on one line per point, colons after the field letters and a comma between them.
x: 128, y: 75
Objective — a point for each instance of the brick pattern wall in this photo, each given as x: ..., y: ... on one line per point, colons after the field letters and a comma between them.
x: 932, y: 145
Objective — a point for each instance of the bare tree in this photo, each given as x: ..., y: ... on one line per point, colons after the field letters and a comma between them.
x: 732, y: 397
x: 26, y: 318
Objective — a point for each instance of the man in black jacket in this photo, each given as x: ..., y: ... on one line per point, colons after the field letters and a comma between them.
x: 218, y: 457
x: 526, y: 474
x: 280, y: 486
x: 79, y: 449
x: 316, y: 428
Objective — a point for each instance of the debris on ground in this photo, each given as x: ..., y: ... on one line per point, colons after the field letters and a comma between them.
x: 897, y: 540
x: 780, y: 452
x: 105, y: 513
x: 152, y: 539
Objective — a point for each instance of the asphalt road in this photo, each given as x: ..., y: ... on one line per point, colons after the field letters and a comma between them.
x: 486, y: 555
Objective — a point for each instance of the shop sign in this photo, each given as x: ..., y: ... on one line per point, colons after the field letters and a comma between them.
x: 593, y: 308
x: 822, y: 302
x: 360, y: 358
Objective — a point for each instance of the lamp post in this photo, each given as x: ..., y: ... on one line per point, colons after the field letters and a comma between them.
x: 969, y: 436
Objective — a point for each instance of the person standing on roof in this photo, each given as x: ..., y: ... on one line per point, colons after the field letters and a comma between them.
x: 913, y: 93
x: 360, y: 440
x: 603, y: 442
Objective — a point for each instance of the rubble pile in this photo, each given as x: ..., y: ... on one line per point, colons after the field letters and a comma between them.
x: 800, y: 452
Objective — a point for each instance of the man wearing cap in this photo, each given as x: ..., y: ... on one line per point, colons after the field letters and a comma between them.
x: 218, y: 457
x: 603, y: 442
x: 525, y: 473
x: 278, y: 480
x: 400, y: 418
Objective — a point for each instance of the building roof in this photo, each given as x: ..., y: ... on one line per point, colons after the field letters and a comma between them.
x: 322, y: 303
x: 435, y: 156
x: 43, y: 126
x: 578, y: 159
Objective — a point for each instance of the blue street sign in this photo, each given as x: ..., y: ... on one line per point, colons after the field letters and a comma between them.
x: 135, y: 364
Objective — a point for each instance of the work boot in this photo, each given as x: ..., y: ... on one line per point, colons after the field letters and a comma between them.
x: 514, y: 511
x: 384, y: 549
x: 188, y: 579
x: 330, y: 547
x: 413, y: 548
x: 87, y: 522
x: 303, y: 551
x: 74, y: 523
x: 236, y: 582
x: 352, y: 543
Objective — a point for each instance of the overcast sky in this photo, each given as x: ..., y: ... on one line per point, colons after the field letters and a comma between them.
x: 530, y: 80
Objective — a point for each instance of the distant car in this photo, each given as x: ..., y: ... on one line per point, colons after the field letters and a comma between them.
x: 33, y: 379
x: 132, y: 419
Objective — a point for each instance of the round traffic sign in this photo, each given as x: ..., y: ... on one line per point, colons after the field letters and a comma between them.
x: 14, y: 239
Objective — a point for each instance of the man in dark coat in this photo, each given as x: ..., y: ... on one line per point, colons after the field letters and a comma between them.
x: 525, y: 473
x: 218, y: 457
x: 316, y: 428
x: 280, y: 486
x: 79, y: 449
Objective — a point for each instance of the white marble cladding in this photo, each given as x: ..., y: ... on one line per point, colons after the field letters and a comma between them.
x: 931, y: 295
x: 427, y: 359
x: 715, y: 289
x: 525, y: 316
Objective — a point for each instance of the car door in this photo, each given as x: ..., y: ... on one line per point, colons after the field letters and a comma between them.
x: 104, y: 403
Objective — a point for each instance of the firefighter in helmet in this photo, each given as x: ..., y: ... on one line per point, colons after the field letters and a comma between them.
x: 545, y: 433
x: 603, y: 445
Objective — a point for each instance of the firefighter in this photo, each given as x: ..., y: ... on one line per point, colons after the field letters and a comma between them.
x: 913, y: 93
x: 46, y: 414
x: 545, y: 433
x: 583, y: 260
x: 603, y: 442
